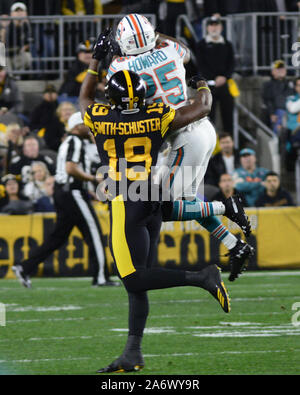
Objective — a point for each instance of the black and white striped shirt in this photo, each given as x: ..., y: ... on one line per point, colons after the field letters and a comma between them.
x: 73, y: 149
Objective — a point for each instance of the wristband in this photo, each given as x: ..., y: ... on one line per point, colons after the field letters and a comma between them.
x: 90, y: 71
x: 203, y: 87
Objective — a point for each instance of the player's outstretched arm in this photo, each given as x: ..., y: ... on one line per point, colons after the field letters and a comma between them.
x: 199, y: 108
x: 88, y: 87
x: 162, y: 37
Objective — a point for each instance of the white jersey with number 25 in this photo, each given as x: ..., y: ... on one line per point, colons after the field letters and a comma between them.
x: 163, y: 71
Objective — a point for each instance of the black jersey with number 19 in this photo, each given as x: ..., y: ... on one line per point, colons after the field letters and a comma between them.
x: 128, y: 142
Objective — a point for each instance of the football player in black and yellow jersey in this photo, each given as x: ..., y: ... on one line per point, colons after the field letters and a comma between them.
x: 131, y: 131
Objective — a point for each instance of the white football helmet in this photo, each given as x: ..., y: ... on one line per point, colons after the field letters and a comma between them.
x: 135, y: 35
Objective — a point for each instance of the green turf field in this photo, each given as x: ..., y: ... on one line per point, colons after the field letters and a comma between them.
x: 64, y: 326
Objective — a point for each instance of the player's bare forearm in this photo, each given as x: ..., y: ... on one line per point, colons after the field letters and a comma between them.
x: 88, y: 87
x: 162, y: 37
x: 74, y: 170
x: 200, y: 108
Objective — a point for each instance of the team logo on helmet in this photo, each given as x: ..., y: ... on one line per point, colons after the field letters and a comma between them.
x: 135, y: 35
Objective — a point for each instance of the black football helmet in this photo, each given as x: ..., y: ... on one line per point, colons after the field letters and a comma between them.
x: 126, y: 90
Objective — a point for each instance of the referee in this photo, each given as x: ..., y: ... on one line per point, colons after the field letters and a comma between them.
x: 73, y: 207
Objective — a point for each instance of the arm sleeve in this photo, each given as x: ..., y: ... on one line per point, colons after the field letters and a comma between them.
x: 166, y: 120
x: 111, y: 70
x: 179, y: 49
x: 88, y: 120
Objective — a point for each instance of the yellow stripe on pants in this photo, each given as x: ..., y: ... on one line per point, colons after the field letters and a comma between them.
x: 119, y: 243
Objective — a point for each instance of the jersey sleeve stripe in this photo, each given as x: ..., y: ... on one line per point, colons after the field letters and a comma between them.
x: 166, y: 120
x: 111, y: 70
x: 88, y: 122
x: 111, y: 67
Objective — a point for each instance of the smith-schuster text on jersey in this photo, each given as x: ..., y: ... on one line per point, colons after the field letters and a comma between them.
x: 128, y: 142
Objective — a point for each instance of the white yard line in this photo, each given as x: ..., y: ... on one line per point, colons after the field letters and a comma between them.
x: 192, y: 354
x: 238, y: 329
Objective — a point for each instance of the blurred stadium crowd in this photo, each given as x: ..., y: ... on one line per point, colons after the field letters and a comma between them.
x: 29, y: 140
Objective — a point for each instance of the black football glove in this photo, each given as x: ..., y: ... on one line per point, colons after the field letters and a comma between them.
x: 194, y: 80
x: 102, y: 45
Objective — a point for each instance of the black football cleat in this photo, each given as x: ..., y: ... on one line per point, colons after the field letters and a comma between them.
x: 21, y: 276
x: 125, y: 363
x: 210, y: 279
x: 235, y: 212
x: 239, y: 258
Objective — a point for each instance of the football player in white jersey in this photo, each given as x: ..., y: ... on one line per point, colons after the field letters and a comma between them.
x: 160, y: 60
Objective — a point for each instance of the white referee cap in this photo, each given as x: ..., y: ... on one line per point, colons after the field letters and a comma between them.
x: 18, y: 5
x: 74, y: 120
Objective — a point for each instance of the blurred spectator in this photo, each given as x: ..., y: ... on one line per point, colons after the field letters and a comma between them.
x: 292, y: 137
x: 92, y: 7
x: 14, y: 203
x: 18, y: 37
x: 55, y: 129
x: 249, y: 178
x: 215, y: 60
x: 287, y: 5
x: 44, y: 113
x: 13, y: 141
x: 11, y: 99
x: 225, y: 161
x: 226, y: 185
x: 274, y: 95
x: 35, y: 188
x: 258, y: 6
x: 45, y: 203
x: 44, y: 34
x: 140, y: 6
x: 173, y: 9
x: 71, y: 86
x: 82, y: 7
x: 274, y: 195
x: 45, y: 7
x: 20, y: 165
x: 221, y: 7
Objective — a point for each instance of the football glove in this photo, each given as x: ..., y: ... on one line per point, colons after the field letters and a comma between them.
x: 102, y: 45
